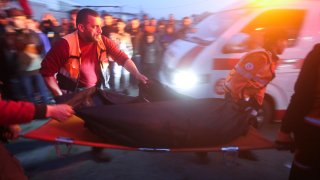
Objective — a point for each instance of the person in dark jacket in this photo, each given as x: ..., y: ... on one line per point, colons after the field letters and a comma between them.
x: 12, y: 113
x: 151, y: 51
x: 108, y: 27
x: 186, y: 27
x: 302, y: 120
x: 136, y: 38
x: 168, y: 37
x: 73, y: 17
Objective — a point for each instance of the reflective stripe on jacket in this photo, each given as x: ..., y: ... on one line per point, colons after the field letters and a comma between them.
x: 251, y: 75
x: 71, y: 68
x: 312, y: 120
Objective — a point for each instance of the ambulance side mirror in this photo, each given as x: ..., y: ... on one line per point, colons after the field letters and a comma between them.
x: 238, y: 43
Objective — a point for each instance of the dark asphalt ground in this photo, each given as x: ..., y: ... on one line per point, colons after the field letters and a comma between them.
x: 40, y: 161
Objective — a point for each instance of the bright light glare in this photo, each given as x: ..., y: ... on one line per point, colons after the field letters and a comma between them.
x: 269, y: 2
x: 185, y: 79
x: 259, y: 29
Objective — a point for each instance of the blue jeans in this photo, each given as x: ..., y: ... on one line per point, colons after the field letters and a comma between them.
x: 35, y: 82
x: 119, y: 77
x: 137, y: 61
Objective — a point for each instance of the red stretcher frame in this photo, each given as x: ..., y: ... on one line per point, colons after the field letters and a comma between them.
x: 73, y: 131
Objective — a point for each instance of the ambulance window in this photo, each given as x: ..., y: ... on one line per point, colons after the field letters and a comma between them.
x: 289, y: 19
x: 252, y: 35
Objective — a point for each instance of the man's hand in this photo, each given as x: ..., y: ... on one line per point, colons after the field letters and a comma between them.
x: 143, y: 79
x: 53, y: 85
x: 60, y: 112
x: 132, y: 68
x: 13, y: 132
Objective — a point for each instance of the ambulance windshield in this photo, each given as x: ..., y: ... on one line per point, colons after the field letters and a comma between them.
x: 209, y: 29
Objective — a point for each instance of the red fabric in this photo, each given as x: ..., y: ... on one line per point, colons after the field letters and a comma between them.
x: 74, y: 132
x: 26, y: 8
x: 55, y: 58
x: 16, y: 112
x: 59, y: 54
x: 89, y: 67
x: 113, y: 50
x: 10, y: 167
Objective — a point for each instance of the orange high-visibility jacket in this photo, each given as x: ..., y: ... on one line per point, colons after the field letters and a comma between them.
x: 71, y: 68
x: 251, y: 75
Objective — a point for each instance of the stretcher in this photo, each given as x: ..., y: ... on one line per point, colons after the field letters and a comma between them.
x: 73, y: 131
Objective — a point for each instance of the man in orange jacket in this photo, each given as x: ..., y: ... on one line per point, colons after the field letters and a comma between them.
x: 80, y: 60
x: 247, y: 81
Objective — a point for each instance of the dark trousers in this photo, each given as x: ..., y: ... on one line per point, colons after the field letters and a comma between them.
x: 250, y: 106
x: 150, y: 70
x: 306, y: 164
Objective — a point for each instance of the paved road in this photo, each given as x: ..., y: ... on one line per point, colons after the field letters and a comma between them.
x: 40, y: 162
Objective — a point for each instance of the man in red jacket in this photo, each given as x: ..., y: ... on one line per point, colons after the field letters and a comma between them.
x: 80, y: 60
x: 12, y: 113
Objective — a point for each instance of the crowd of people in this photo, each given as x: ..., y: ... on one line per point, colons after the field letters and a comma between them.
x: 29, y: 40
x: 41, y: 59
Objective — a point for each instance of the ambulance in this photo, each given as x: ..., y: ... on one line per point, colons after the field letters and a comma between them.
x: 198, y: 64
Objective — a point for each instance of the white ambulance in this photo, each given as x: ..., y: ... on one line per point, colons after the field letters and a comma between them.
x: 198, y: 64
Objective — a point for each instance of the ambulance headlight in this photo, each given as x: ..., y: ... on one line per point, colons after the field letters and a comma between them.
x: 185, y: 79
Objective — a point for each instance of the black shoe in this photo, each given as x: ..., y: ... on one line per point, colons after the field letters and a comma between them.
x: 99, y: 155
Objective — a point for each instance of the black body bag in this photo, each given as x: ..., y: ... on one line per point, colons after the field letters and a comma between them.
x: 159, y: 118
